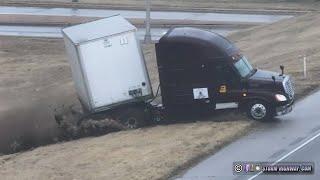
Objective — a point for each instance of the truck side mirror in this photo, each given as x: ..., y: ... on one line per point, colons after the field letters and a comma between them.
x: 282, y: 70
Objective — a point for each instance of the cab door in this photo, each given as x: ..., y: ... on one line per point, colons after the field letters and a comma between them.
x: 228, y: 83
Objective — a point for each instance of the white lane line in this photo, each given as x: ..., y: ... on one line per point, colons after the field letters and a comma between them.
x: 288, y: 154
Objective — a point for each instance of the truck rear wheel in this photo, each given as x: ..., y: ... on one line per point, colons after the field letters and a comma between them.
x: 133, y: 118
x: 260, y: 111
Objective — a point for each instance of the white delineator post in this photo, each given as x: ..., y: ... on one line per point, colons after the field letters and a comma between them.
x: 305, y: 67
x: 147, y: 37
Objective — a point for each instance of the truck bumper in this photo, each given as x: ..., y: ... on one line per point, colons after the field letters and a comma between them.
x: 282, y: 110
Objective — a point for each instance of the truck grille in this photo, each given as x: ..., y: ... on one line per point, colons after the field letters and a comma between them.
x: 288, y: 87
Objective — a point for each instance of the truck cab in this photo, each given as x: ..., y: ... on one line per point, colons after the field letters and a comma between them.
x: 203, y: 71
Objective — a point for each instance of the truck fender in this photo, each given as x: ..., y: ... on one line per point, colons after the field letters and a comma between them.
x: 244, y: 102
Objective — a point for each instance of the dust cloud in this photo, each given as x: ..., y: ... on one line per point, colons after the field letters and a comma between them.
x: 26, y: 125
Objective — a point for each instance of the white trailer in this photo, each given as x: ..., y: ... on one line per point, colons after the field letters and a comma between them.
x: 107, y: 63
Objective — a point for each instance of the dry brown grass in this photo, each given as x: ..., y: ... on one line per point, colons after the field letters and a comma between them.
x: 150, y: 153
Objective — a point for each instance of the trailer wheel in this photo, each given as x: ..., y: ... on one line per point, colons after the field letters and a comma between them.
x: 133, y: 118
x: 260, y: 110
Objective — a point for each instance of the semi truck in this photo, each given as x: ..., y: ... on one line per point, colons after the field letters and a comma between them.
x: 199, y: 71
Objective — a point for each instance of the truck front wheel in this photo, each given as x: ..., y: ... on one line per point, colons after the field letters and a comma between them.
x: 260, y: 110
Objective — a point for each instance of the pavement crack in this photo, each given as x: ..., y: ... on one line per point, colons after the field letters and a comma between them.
x: 296, y: 141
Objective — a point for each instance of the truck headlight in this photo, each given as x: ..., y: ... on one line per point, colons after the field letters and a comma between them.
x: 280, y: 97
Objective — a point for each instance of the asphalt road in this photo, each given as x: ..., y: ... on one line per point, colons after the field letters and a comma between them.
x: 224, y: 20
x: 216, y: 18
x: 291, y: 138
x: 310, y: 152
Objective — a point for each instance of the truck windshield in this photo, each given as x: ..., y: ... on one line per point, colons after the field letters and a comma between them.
x: 243, y: 66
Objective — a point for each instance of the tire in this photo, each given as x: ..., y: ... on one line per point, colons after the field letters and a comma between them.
x: 260, y: 111
x: 133, y: 118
